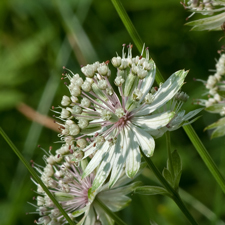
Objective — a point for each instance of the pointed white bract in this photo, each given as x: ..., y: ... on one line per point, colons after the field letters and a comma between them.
x: 209, y: 8
x: 116, y: 123
x: 75, y: 194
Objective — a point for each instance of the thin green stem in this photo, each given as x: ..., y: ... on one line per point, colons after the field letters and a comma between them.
x: 205, y: 156
x: 35, y: 176
x: 109, y: 212
x: 169, y: 153
x: 159, y: 78
x: 133, y: 33
x: 174, y: 195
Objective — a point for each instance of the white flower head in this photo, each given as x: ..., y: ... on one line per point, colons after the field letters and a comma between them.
x: 215, y: 86
x: 75, y: 195
x: 125, y: 118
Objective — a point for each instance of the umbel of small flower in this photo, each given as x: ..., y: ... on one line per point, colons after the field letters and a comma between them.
x: 110, y: 125
x: 215, y: 103
x: 206, y: 7
x: 74, y: 193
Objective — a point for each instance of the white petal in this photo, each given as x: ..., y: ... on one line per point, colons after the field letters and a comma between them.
x: 80, y: 211
x: 133, y: 160
x: 104, y: 169
x: 103, y: 217
x: 120, y: 158
x: 95, y: 161
x: 90, y: 149
x: 165, y: 92
x: 153, y: 122
x: 145, y: 141
x: 148, y: 80
x: 90, y: 218
x: 115, y: 199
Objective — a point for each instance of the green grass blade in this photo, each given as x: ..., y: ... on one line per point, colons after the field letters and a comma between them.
x: 34, y: 175
x: 205, y: 156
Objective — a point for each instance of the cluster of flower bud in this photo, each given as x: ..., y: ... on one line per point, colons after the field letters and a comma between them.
x: 205, y: 7
x: 58, y: 174
x: 215, y: 86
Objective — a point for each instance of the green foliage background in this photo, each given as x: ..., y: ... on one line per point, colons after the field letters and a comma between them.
x: 37, y: 38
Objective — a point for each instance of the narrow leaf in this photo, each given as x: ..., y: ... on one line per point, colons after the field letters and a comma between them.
x: 151, y: 190
x: 176, y: 161
x: 167, y: 175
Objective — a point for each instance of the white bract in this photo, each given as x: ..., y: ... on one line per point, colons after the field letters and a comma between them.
x: 206, y: 7
x: 117, y: 123
x: 74, y: 193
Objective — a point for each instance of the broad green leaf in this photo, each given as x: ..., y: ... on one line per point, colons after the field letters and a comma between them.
x: 151, y: 190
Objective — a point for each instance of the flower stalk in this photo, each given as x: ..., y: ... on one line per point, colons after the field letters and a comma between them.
x: 159, y: 78
x: 173, y: 194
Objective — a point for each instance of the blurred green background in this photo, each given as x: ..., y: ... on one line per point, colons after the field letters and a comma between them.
x: 37, y: 38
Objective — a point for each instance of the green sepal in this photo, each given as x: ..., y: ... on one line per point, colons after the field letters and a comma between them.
x: 91, y: 194
x: 151, y: 190
x: 131, y: 104
x: 220, y: 122
x: 84, y: 164
x: 62, y: 196
x: 208, y: 23
x: 98, y: 92
x: 79, y: 212
x: 129, y: 84
x: 91, y: 128
x: 216, y: 108
x: 218, y: 132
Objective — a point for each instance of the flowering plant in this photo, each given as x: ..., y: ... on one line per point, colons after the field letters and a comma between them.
x: 109, y: 121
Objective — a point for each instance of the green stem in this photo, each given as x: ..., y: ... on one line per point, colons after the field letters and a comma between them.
x: 174, y: 195
x: 168, y: 144
x: 35, y: 176
x: 133, y: 33
x: 205, y: 156
x: 159, y: 78
x: 109, y: 212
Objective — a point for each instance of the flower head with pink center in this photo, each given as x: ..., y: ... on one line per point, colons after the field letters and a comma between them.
x: 63, y: 177
x: 110, y: 124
